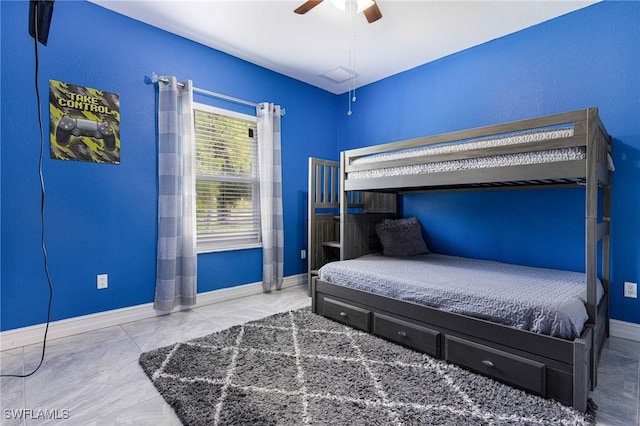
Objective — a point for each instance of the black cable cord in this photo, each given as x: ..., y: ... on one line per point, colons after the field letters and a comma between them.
x: 42, y: 205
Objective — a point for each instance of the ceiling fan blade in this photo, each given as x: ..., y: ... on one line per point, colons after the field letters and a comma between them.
x: 372, y: 13
x: 307, y: 6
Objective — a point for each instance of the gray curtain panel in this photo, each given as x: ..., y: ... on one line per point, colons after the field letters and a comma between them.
x: 271, y: 221
x: 176, y: 257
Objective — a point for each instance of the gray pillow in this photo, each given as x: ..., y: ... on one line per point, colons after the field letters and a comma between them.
x: 401, y: 237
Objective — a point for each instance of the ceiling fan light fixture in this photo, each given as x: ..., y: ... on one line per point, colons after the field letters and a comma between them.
x: 360, y: 4
x: 364, y: 4
x: 339, y: 4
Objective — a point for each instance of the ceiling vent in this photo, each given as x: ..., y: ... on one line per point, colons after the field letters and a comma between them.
x: 340, y: 74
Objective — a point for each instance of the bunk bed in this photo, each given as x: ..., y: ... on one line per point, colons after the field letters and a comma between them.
x: 571, y: 149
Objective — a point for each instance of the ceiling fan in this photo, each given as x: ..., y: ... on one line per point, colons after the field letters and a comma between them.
x: 369, y: 7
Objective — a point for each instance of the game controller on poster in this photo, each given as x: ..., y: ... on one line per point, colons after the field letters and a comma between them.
x: 85, y: 123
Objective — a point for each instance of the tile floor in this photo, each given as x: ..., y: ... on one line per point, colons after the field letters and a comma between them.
x: 95, y: 379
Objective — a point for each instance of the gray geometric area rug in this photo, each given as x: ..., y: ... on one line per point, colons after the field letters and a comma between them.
x: 298, y: 368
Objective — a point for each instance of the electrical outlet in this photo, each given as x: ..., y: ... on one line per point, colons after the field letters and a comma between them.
x: 303, y: 254
x: 103, y: 281
x: 631, y: 289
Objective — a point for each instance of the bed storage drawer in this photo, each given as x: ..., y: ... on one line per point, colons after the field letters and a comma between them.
x: 406, y: 333
x: 348, y: 314
x: 503, y: 366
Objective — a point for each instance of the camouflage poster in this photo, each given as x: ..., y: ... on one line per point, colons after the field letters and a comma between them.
x: 85, y: 123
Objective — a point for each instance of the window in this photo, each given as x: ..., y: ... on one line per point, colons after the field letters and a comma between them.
x: 227, y: 181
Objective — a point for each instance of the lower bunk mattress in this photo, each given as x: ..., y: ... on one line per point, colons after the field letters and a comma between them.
x: 540, y: 300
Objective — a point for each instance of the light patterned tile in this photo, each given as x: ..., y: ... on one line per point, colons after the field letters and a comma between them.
x: 11, y: 388
x: 164, y: 330
x: 618, y: 392
x: 96, y: 371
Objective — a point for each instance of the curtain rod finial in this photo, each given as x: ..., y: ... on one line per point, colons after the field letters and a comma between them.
x: 151, y: 80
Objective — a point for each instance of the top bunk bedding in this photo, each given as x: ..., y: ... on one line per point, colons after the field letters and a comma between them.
x: 544, y: 301
x: 517, y: 158
x: 552, y: 149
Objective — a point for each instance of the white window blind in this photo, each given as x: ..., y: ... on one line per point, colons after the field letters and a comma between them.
x: 227, y: 181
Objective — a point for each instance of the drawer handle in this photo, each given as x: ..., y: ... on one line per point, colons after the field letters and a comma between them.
x: 343, y: 314
x: 487, y: 363
x: 402, y: 333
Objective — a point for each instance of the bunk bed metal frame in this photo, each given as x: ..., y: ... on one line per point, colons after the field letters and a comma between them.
x: 554, y: 368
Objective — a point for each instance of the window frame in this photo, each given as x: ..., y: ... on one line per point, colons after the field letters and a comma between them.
x: 219, y: 245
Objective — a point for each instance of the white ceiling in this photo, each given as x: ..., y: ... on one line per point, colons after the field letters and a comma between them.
x: 410, y: 33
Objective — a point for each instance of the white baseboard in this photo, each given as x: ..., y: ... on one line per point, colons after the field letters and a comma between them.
x: 57, y: 329
x: 68, y: 327
x: 624, y: 330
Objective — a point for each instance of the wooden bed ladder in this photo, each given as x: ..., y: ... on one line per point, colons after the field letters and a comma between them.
x: 362, y: 211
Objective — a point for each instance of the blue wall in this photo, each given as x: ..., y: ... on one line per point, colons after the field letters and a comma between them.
x: 586, y: 58
x: 102, y: 218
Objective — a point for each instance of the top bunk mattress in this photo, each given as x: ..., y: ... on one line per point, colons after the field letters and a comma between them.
x: 544, y: 301
x: 513, y: 159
